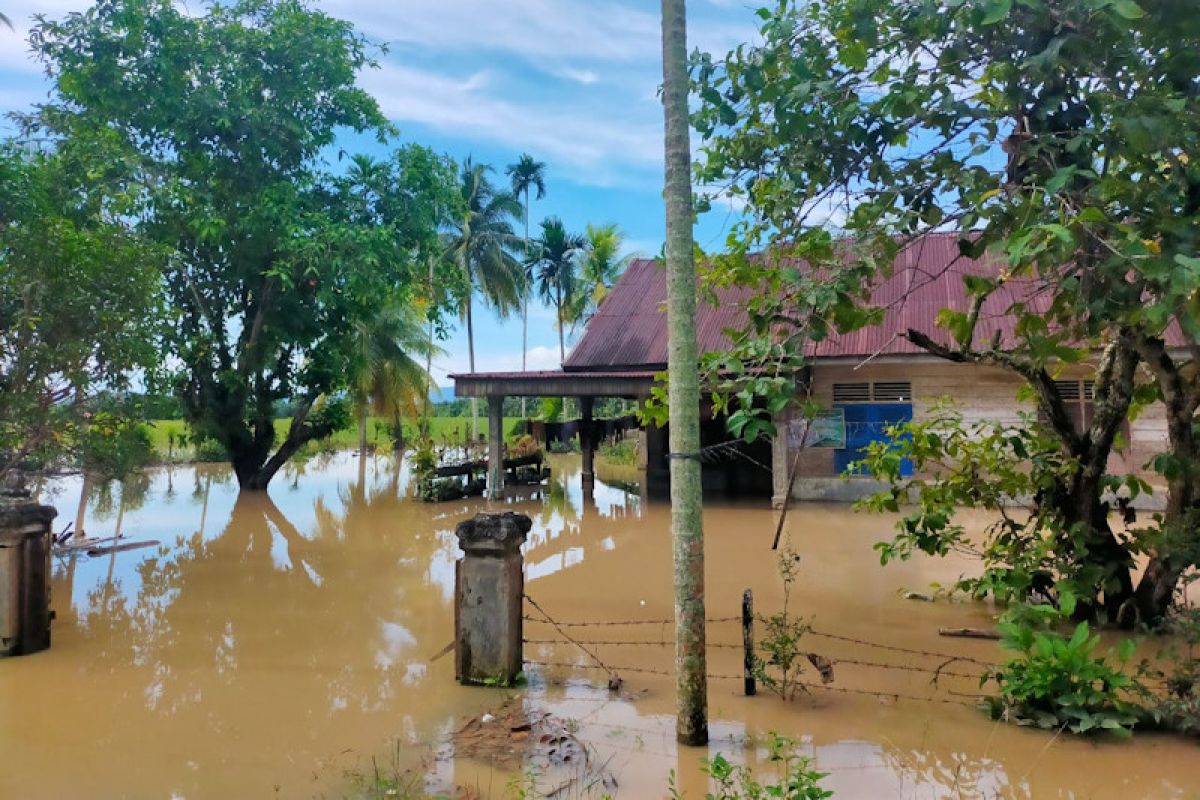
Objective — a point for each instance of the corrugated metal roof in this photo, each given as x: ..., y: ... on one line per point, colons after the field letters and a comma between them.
x: 630, y: 330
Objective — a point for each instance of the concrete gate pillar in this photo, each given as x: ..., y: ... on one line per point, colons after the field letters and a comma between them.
x: 25, y: 543
x: 489, y: 586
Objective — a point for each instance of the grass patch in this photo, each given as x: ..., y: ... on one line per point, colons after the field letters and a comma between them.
x: 168, y: 436
x: 622, y: 453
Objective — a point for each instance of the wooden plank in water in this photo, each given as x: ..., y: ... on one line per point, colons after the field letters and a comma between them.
x: 120, y: 548
x: 969, y: 633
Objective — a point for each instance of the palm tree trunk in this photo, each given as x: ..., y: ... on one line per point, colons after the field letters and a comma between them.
x: 691, y: 687
x: 428, y: 363
x: 562, y: 347
x: 525, y: 306
x: 362, y: 433
x: 471, y: 361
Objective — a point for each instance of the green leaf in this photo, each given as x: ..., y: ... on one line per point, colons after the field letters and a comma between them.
x: 854, y: 55
x: 1128, y: 9
x: 996, y: 11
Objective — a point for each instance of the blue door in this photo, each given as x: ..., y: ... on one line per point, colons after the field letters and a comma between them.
x: 865, y: 423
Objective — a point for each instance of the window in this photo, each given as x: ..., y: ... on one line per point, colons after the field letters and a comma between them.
x: 1078, y: 398
x: 881, y: 392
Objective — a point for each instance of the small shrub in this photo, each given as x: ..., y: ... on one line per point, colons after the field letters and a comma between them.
x: 561, y: 447
x: 780, y: 670
x: 209, y: 451
x: 524, y: 446
x: 1179, y: 709
x: 552, y: 409
x: 113, y: 449
x: 623, y: 452
x: 1060, y: 682
x: 797, y: 779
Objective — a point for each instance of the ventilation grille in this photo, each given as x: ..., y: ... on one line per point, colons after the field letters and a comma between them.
x: 1089, y: 390
x: 894, y: 391
x: 1067, y: 390
x: 851, y: 392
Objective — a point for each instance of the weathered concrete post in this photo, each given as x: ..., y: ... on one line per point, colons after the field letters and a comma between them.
x: 782, y: 459
x: 587, y: 444
x: 495, y: 482
x: 489, y: 586
x: 25, y: 544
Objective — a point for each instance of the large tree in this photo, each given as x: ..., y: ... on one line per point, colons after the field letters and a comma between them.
x: 554, y: 260
x: 1058, y: 137
x: 526, y: 174
x: 687, y: 531
x: 223, y: 120
x: 78, y: 298
x: 481, y: 243
x: 599, y: 269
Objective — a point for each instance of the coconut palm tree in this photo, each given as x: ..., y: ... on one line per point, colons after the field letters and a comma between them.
x: 599, y: 269
x: 525, y: 175
x: 386, y: 376
x: 687, y: 531
x: 481, y: 243
x: 554, y: 265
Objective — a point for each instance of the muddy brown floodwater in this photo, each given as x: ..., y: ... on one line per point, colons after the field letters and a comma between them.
x: 275, y: 642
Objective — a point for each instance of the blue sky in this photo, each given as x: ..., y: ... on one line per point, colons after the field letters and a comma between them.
x: 573, y: 82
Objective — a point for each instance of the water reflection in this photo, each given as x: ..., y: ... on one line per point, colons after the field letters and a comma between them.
x: 272, y: 641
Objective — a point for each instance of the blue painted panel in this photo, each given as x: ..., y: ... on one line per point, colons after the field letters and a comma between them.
x: 865, y: 423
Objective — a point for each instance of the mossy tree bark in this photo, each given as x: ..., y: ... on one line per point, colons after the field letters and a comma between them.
x: 684, y: 398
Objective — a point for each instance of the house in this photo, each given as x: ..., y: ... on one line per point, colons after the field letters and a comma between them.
x: 866, y: 379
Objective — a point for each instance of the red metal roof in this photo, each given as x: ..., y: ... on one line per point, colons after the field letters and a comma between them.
x: 539, y: 374
x: 630, y: 331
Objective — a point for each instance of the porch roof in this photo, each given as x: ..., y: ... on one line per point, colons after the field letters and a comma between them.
x: 555, y: 383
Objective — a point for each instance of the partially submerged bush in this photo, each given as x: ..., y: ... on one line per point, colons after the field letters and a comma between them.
x: 1179, y: 708
x: 1061, y: 682
x: 623, y: 452
x: 781, y: 643
x: 115, y: 448
x: 956, y: 463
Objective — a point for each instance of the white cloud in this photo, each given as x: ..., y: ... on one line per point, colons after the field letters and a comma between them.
x: 531, y: 29
x: 584, y: 76
x: 537, y: 359
x: 591, y: 147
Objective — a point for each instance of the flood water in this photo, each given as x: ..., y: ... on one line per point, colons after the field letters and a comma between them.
x: 272, y: 643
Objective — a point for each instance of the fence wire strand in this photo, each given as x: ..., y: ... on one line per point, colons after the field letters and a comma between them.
x: 613, y: 671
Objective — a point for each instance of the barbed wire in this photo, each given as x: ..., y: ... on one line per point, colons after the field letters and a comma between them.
x: 639, y: 643
x: 623, y: 623
x: 937, y: 671
x: 971, y: 702
x: 898, y: 649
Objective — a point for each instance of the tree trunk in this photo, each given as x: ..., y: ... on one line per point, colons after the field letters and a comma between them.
x: 471, y: 361
x: 525, y: 307
x: 562, y: 345
x: 81, y: 510
x: 428, y: 362
x: 691, y: 687
x: 362, y: 432
x: 1156, y: 590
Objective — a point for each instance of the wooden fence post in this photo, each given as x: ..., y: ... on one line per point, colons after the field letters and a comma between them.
x: 748, y: 642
